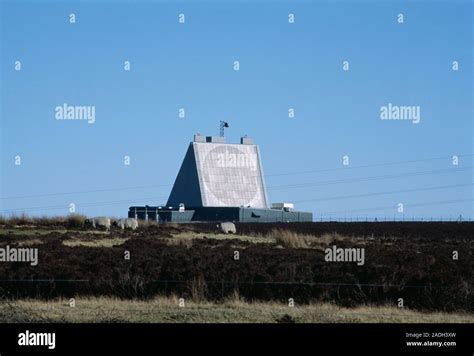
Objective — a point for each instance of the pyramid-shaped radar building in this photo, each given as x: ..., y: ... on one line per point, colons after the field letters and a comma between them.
x: 218, y: 174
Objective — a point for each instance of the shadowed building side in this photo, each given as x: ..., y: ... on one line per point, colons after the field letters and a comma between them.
x: 186, y: 188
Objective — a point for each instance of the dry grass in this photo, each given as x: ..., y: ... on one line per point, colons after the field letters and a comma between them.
x: 233, y: 310
x: 28, y: 231
x: 31, y: 231
x: 22, y: 219
x: 30, y: 242
x: 282, y: 238
x: 190, y: 235
x: 103, y: 242
x: 71, y: 221
x: 289, y: 239
x: 75, y: 221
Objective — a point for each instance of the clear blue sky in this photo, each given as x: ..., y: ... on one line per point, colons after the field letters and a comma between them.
x: 282, y: 66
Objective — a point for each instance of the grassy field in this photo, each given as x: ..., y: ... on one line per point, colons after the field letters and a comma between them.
x: 27, y: 235
x: 167, y: 310
x: 197, y: 262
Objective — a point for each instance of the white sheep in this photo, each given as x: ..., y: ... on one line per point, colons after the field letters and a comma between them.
x: 98, y: 222
x: 128, y: 223
x: 227, y: 228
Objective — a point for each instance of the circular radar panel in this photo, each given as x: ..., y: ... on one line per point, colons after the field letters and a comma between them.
x: 231, y: 175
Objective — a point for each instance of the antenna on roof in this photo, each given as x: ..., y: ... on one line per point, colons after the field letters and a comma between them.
x: 223, y: 125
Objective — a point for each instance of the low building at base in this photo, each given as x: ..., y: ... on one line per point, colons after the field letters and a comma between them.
x: 218, y: 214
